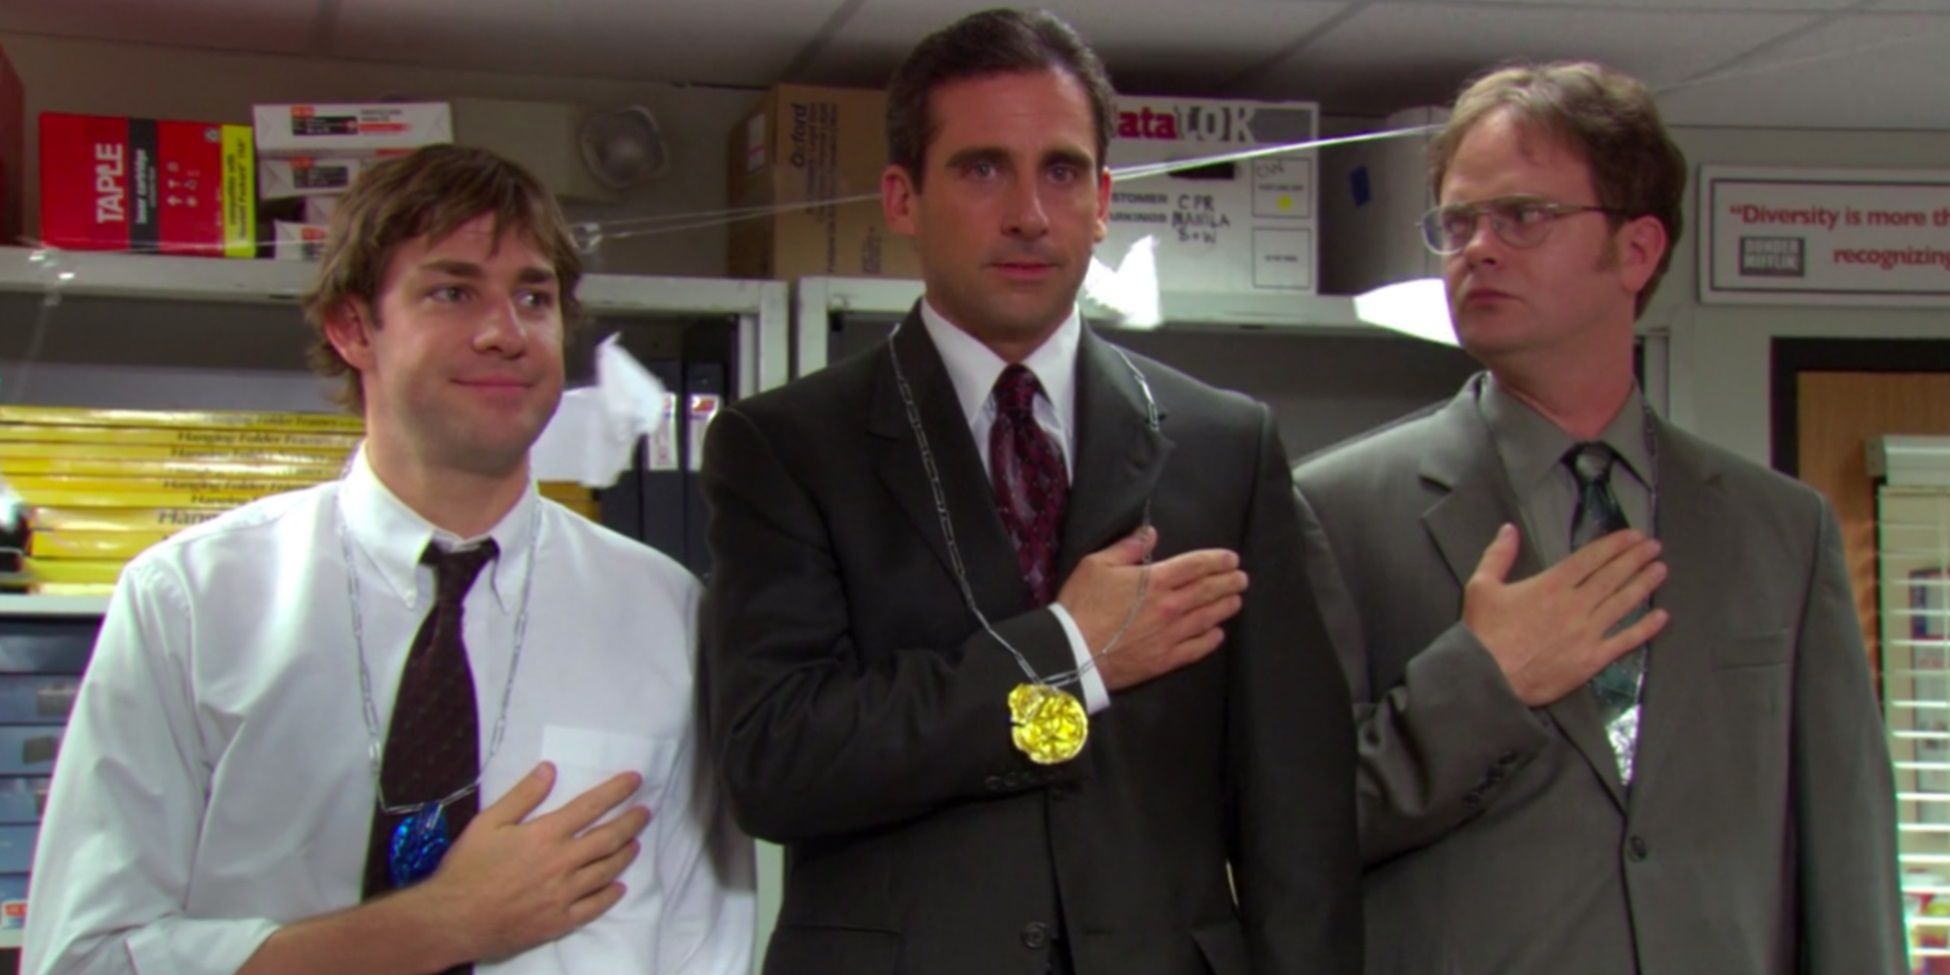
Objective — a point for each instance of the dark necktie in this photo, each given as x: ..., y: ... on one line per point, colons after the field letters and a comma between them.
x: 434, y: 739
x: 1026, y: 473
x: 1617, y: 686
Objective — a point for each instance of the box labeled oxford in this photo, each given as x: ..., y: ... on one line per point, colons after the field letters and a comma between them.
x: 807, y: 163
x: 1227, y: 227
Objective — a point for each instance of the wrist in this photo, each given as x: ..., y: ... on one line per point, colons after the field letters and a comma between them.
x: 441, y: 925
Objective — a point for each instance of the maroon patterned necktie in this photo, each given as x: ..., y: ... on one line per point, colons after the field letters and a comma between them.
x: 1027, y: 475
x: 433, y: 742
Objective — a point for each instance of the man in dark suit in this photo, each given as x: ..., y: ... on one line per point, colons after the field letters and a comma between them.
x: 905, y: 563
x: 1548, y: 781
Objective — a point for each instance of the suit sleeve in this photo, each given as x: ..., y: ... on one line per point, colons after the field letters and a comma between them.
x: 1844, y: 793
x: 811, y: 739
x: 1291, y: 748
x: 1435, y: 748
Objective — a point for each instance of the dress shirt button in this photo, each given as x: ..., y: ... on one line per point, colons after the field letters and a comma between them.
x: 993, y: 783
x: 1035, y: 935
x: 1636, y: 848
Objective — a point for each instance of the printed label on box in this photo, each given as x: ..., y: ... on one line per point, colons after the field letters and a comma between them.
x: 112, y: 183
x: 1231, y: 226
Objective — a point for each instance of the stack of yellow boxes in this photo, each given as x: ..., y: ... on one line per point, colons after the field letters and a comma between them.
x: 98, y: 486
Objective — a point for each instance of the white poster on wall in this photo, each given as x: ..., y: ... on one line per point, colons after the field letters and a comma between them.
x: 1824, y: 236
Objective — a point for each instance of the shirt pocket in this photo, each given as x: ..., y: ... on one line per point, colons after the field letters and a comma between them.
x: 585, y: 758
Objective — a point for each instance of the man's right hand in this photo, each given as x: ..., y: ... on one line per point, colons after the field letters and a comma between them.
x: 507, y: 885
x: 1548, y: 633
x: 1186, y: 599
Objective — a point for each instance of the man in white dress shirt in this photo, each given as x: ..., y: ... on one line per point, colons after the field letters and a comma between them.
x: 220, y: 804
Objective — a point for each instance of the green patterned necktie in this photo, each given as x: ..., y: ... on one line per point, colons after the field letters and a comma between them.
x: 1616, y: 687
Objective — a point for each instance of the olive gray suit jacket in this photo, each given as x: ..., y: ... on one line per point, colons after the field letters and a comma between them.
x: 1757, y: 836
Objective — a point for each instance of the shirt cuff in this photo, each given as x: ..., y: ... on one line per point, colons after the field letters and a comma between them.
x: 1096, y: 697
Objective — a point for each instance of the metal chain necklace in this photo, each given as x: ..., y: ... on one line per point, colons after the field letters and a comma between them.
x: 421, y: 840
x: 1048, y: 724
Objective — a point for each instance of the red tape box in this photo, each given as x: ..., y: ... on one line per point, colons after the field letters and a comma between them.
x: 170, y: 187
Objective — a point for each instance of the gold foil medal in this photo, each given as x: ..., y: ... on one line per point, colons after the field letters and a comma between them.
x: 1049, y: 725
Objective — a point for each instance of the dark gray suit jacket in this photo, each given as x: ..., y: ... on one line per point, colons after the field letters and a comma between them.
x: 857, y: 710
x: 1758, y: 834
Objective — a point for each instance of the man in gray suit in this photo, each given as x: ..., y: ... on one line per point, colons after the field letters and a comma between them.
x: 1552, y: 776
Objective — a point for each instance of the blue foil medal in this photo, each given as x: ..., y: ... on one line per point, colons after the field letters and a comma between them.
x: 419, y: 841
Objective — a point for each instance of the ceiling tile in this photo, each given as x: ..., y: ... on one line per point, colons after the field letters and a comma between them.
x: 747, y: 43
x: 1860, y: 71
x: 268, y: 26
x: 1391, y: 56
x: 1150, y: 46
x: 1752, y: 6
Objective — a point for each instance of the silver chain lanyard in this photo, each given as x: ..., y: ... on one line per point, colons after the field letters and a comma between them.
x: 1062, y: 678
x: 371, y: 710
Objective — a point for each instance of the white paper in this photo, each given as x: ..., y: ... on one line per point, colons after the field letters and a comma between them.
x: 595, y: 430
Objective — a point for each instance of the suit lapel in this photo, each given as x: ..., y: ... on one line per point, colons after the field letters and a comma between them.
x: 987, y: 555
x: 1463, y: 459
x: 1689, y: 519
x: 1118, y: 456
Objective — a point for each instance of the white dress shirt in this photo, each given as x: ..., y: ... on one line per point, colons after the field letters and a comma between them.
x: 216, y: 783
x: 974, y: 368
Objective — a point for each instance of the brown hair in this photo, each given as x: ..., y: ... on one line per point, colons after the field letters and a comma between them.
x: 430, y: 193
x: 1604, y: 116
x: 1000, y: 41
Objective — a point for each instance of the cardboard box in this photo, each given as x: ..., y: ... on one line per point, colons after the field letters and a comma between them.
x: 807, y: 145
x: 1248, y: 226
x: 306, y: 176
x: 350, y: 129
x: 171, y: 187
x: 1372, y: 196
x: 297, y: 241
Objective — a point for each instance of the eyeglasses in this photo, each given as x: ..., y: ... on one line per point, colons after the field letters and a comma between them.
x: 1520, y: 221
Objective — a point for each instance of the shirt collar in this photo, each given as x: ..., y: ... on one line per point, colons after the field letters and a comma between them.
x: 974, y: 367
x: 1532, y: 447
x: 392, y: 536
